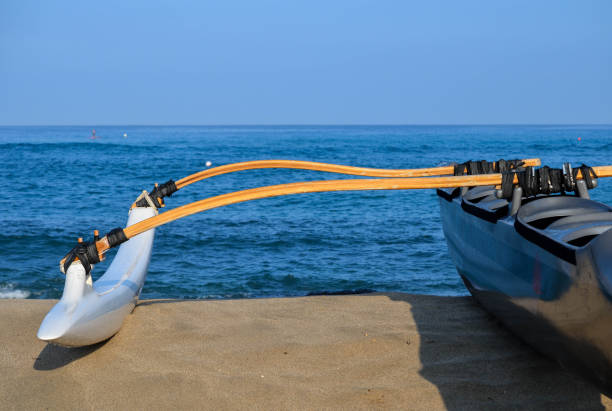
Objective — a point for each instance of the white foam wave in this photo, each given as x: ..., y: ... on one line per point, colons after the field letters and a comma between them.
x: 10, y: 292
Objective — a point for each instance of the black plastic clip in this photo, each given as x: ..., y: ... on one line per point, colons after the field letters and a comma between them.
x: 86, y: 252
x: 158, y: 193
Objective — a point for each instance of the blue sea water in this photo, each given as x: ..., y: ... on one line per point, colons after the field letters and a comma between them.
x: 58, y: 184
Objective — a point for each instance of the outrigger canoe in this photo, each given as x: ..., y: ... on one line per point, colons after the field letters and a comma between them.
x: 542, y: 265
x: 90, y: 312
x: 540, y: 262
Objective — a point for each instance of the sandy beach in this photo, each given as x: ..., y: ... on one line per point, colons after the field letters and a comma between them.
x: 355, y: 351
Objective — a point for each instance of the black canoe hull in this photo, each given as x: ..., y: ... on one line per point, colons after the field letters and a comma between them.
x: 563, y: 310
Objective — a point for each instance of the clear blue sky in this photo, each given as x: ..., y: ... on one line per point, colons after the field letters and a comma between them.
x: 307, y: 62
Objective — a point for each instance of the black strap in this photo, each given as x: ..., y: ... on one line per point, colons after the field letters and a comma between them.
x: 486, y: 167
x: 556, y: 180
x: 544, y: 183
x: 87, y: 252
x: 569, y: 182
x: 546, y: 180
x: 588, y: 174
x: 158, y: 192
x: 115, y: 237
x: 507, y: 184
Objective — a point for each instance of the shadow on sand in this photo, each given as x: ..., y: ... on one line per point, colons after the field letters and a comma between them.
x: 464, y: 352
x: 53, y: 356
x: 472, y: 359
x: 165, y: 301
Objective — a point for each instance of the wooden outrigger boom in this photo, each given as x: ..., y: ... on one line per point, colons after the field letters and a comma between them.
x: 320, y: 186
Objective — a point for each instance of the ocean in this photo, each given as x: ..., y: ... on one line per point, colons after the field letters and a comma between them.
x: 58, y: 185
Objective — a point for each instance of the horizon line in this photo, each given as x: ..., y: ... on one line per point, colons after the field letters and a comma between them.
x: 310, y: 125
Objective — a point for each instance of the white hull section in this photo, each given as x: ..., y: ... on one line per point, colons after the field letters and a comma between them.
x: 89, y: 313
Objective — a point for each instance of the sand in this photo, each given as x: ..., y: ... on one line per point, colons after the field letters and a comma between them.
x: 341, y: 352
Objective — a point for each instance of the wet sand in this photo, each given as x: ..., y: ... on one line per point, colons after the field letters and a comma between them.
x: 356, y: 351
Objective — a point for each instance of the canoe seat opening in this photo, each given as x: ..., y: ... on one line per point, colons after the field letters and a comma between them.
x: 478, y: 199
x: 580, y: 220
x: 582, y: 241
x: 561, y: 224
x: 582, y: 236
x: 483, y: 203
x: 477, y: 194
x: 545, y: 212
x: 542, y: 223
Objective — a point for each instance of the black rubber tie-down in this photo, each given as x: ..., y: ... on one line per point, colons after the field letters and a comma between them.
x: 546, y: 180
x: 528, y: 182
x: 86, y: 252
x: 569, y: 182
x: 507, y: 185
x: 503, y: 166
x: 486, y: 167
x: 115, y: 237
x: 588, y: 175
x: 161, y: 191
x: 557, y: 180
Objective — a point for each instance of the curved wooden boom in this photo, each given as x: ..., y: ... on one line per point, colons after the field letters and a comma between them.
x: 314, y: 187
x: 323, y: 186
x: 330, y: 168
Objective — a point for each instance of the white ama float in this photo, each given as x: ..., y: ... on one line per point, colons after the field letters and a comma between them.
x: 90, y: 312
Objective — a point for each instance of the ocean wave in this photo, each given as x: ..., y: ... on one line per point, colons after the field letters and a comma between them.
x: 10, y: 292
